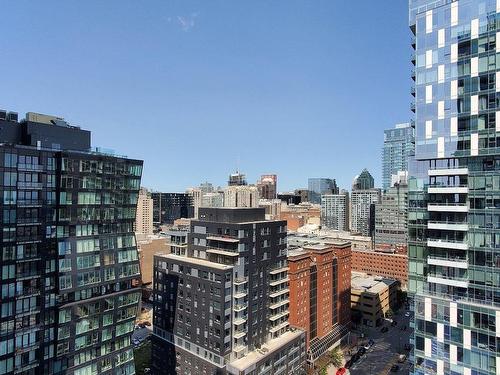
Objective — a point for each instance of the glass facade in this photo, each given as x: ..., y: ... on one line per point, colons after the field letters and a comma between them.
x: 399, y: 145
x: 454, y: 187
x: 319, y: 186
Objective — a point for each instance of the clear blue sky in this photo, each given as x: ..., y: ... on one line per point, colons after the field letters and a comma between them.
x: 298, y: 88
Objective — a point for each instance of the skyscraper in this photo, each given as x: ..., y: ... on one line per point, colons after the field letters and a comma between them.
x: 363, y: 181
x: 335, y: 211
x: 267, y: 186
x: 69, y: 259
x: 168, y: 207
x: 222, y: 307
x: 399, y: 145
x: 454, y: 261
x: 144, y: 217
x: 391, y: 217
x: 362, y: 210
x: 241, y: 196
x: 319, y: 186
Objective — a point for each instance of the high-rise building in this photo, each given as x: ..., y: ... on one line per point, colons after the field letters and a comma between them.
x: 399, y: 145
x: 241, y: 196
x: 168, y: 207
x: 362, y: 210
x: 335, y: 211
x: 237, y: 179
x: 363, y: 181
x: 320, y: 289
x: 391, y: 217
x: 319, y: 186
x: 69, y: 259
x: 143, y: 225
x: 223, y: 306
x: 454, y: 187
x: 267, y: 186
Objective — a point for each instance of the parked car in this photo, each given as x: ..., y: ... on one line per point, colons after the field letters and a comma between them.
x: 407, y: 314
x: 341, y: 371
x: 142, y: 325
x: 361, y: 351
x: 402, y: 358
x: 348, y: 364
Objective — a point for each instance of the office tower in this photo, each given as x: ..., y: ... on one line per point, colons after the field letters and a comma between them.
x: 168, y: 207
x: 399, y: 145
x: 391, y: 217
x: 223, y: 306
x: 362, y: 210
x: 320, y: 290
x: 363, y: 181
x: 69, y: 258
x: 454, y: 186
x: 143, y: 225
x: 205, y: 197
x: 319, y: 186
x: 267, y: 186
x: 335, y: 211
x: 241, y: 196
x: 207, y: 187
x: 237, y: 179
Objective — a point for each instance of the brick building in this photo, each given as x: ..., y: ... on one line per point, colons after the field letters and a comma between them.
x: 320, y: 282
x: 382, y: 263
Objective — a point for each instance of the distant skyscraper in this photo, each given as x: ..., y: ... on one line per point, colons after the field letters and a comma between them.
x: 363, y: 181
x: 335, y: 211
x: 399, y: 144
x: 267, y: 186
x: 168, y: 207
x: 241, y: 196
x: 391, y: 217
x: 454, y: 197
x: 361, y: 210
x: 144, y: 215
x: 237, y: 179
x: 319, y: 186
x: 69, y: 265
x: 222, y: 307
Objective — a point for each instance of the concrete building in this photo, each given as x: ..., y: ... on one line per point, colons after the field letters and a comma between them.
x: 319, y: 186
x: 272, y: 207
x: 69, y: 264
x: 320, y: 292
x: 143, y: 225
x: 297, y: 216
x: 267, y: 186
x: 147, y: 248
x: 391, y: 216
x: 361, y: 210
x: 304, y: 237
x: 399, y: 146
x: 335, y: 211
x: 386, y: 263
x: 170, y: 206
x: 241, y: 196
x: 363, y: 181
x: 223, y: 306
x: 372, y: 297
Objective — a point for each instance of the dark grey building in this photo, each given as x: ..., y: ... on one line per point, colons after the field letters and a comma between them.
x: 223, y: 307
x: 69, y: 260
x: 391, y: 217
x: 363, y: 181
x: 168, y: 207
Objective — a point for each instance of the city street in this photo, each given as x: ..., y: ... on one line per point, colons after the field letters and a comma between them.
x: 142, y: 333
x: 386, y: 349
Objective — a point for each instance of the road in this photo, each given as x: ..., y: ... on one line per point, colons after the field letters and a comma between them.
x: 141, y: 333
x: 384, y: 353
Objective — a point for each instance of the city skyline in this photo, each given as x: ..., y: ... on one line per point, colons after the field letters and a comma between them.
x: 198, y: 80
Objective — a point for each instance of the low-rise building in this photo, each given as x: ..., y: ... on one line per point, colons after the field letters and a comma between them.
x: 320, y: 294
x: 372, y: 297
x: 305, y: 236
x: 300, y: 215
x: 382, y: 263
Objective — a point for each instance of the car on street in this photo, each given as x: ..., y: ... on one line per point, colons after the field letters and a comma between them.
x: 361, y: 351
x: 348, y: 364
x: 341, y: 371
x: 407, y: 314
x: 402, y: 358
x: 395, y: 368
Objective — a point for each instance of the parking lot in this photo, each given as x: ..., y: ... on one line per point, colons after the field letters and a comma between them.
x: 384, y: 353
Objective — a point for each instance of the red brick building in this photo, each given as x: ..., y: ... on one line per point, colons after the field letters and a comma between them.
x: 320, y: 294
x: 382, y: 263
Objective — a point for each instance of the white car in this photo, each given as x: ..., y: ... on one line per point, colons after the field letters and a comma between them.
x: 407, y: 314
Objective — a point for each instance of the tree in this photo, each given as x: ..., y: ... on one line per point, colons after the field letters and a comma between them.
x: 336, y: 357
x: 323, y: 371
x: 389, y: 313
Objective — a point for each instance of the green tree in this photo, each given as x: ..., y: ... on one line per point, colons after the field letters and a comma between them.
x: 323, y: 371
x: 336, y: 357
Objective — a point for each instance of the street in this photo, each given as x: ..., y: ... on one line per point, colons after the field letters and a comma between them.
x: 386, y: 349
x: 142, y: 333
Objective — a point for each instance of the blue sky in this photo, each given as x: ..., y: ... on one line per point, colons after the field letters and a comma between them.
x: 194, y: 88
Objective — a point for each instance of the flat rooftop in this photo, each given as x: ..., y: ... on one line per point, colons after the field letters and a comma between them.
x: 266, y: 350
x: 371, y: 284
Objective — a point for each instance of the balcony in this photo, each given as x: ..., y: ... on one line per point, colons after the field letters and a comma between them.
x: 240, y: 280
x: 222, y: 238
x: 460, y: 189
x: 448, y: 244
x: 448, y: 262
x: 240, y: 307
x: 239, y: 334
x: 29, y: 203
x: 240, y: 294
x: 30, y: 167
x: 213, y: 250
x: 239, y: 348
x: 279, y: 292
x: 279, y: 315
x: 413, y: 74
x: 448, y: 225
x: 29, y: 185
x: 239, y: 321
x: 412, y: 91
x: 448, y: 207
x: 458, y: 282
x: 412, y: 107
x: 279, y: 304
x: 278, y: 282
x: 278, y: 327
x: 278, y: 270
x: 448, y: 172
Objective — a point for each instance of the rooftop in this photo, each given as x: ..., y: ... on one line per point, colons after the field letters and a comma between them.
x: 372, y: 284
x: 195, y: 261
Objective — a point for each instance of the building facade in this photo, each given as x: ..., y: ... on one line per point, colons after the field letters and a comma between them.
x: 144, y: 217
x: 388, y: 264
x: 241, y: 196
x: 267, y: 186
x: 168, y: 207
x: 363, y: 181
x: 319, y: 186
x: 223, y: 306
x: 362, y: 203
x: 335, y: 211
x: 320, y: 292
x: 399, y: 146
x: 69, y: 264
x: 391, y: 217
x: 454, y: 273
